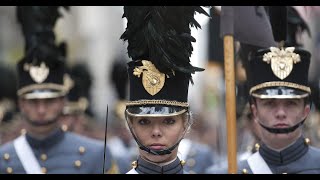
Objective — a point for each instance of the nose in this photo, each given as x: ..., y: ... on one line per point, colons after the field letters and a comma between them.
x: 281, y: 112
x: 41, y: 108
x: 156, y: 131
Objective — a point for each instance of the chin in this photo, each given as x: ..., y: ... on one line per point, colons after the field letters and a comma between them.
x: 156, y: 158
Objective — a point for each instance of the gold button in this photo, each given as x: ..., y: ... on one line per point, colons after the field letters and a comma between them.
x: 9, y: 170
x: 64, y: 127
x: 307, y: 141
x: 134, y: 164
x: 82, y: 149
x: 191, y: 162
x: 44, y: 170
x: 6, y: 156
x: 182, y: 162
x: 257, y: 146
x: 43, y: 157
x: 244, y: 171
x: 77, y: 163
x: 23, y: 131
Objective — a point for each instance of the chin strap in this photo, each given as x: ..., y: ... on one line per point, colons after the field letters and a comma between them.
x: 282, y: 130
x: 155, y: 152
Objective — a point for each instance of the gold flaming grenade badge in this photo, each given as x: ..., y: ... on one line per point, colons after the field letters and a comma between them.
x: 152, y: 79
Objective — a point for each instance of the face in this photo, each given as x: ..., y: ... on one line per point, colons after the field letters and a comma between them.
x: 159, y: 133
x: 279, y: 113
x: 41, y: 111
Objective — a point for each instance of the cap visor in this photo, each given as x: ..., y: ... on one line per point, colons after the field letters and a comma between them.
x: 155, y: 111
x: 279, y: 93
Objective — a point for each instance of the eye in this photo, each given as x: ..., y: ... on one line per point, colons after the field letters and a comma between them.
x: 144, y: 121
x: 291, y: 103
x: 268, y: 103
x: 169, y: 121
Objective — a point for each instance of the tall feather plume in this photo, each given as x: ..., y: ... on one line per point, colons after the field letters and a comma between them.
x: 278, y: 20
x: 162, y: 35
x: 37, y: 23
x: 296, y: 25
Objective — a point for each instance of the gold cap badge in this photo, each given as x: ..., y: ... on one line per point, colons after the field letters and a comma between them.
x: 282, y: 61
x: 37, y: 73
x: 152, y: 79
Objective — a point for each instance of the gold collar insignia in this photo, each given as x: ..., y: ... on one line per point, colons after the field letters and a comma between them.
x: 152, y: 79
x: 282, y: 61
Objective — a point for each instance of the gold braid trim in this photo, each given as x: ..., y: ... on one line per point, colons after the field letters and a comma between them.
x: 157, y: 102
x: 32, y: 87
x: 280, y: 83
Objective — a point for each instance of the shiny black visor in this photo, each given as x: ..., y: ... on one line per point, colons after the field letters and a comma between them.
x: 281, y: 92
x: 155, y: 110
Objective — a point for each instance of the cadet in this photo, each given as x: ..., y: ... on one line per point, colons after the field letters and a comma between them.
x: 280, y: 103
x: 157, y: 113
x: 45, y: 148
x: 77, y: 115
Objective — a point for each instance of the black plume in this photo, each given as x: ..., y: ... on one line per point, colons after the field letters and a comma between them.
x: 278, y: 20
x: 37, y: 23
x: 82, y: 78
x: 295, y: 25
x: 162, y: 35
x: 119, y: 77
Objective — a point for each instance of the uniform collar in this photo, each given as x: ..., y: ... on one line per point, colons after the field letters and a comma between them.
x: 286, y: 156
x: 145, y: 167
x: 55, y: 137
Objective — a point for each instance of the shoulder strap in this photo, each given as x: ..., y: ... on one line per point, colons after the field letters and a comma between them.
x: 132, y: 171
x: 258, y: 165
x: 26, y: 156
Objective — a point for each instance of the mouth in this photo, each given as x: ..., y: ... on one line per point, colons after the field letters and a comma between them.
x: 157, y: 146
x: 281, y: 125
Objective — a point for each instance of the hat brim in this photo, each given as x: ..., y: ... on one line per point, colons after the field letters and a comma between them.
x: 43, y: 94
x: 281, y: 92
x: 155, y: 111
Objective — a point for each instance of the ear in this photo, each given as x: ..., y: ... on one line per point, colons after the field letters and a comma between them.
x: 21, y: 103
x: 307, y: 110
x: 254, y: 110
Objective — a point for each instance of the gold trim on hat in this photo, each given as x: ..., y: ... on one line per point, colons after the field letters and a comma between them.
x: 152, y: 79
x: 78, y: 106
x: 156, y: 102
x: 263, y: 96
x: 43, y: 86
x: 281, y: 60
x: 280, y: 83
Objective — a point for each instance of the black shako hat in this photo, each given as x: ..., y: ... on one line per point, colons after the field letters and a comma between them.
x: 159, y: 43
x: 41, y: 71
x: 280, y: 73
x: 79, y: 90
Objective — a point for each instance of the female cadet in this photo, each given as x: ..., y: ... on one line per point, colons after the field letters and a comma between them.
x: 159, y: 43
